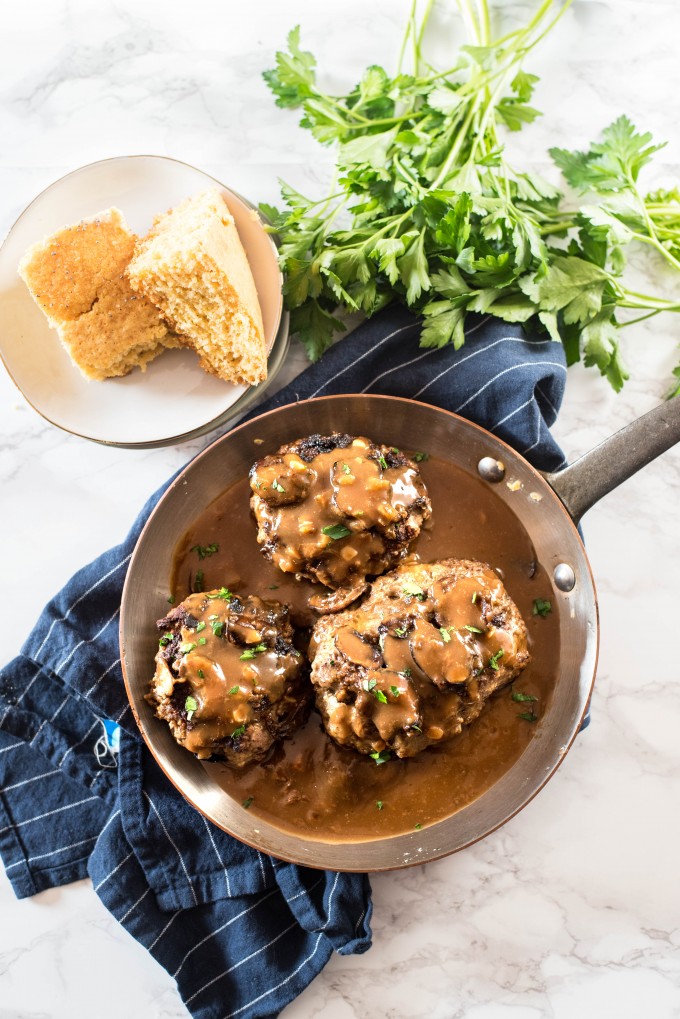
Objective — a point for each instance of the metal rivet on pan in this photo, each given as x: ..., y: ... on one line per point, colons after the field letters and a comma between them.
x: 490, y: 469
x: 564, y: 577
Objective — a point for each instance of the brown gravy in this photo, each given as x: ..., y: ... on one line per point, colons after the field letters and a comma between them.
x: 318, y: 790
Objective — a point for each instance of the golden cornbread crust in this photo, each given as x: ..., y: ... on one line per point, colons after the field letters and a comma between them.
x: 193, y: 267
x: 77, y: 277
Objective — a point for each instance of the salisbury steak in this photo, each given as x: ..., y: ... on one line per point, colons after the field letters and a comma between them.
x: 418, y: 659
x: 337, y: 509
x: 228, y: 680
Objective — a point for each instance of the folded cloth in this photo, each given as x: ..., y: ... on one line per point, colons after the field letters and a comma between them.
x: 241, y: 933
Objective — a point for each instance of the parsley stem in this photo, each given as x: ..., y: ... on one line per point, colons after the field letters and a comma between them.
x: 406, y: 36
x: 641, y: 318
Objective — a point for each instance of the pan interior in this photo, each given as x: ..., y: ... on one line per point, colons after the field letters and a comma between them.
x: 407, y: 425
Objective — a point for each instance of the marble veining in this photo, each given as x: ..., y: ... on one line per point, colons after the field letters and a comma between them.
x: 571, y: 910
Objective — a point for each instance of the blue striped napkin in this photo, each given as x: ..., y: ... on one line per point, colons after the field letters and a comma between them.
x: 241, y: 933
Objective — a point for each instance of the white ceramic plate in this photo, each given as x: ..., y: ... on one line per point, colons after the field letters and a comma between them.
x: 173, y: 399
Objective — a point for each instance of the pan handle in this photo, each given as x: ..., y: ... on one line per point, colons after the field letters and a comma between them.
x: 596, y: 473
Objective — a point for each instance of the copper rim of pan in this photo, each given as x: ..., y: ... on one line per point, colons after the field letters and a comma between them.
x: 394, y: 421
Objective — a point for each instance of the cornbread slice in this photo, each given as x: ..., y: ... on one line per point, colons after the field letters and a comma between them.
x: 77, y: 277
x: 193, y: 267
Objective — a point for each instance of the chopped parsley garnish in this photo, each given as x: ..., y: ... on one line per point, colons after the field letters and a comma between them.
x: 336, y: 531
x: 345, y: 469
x: 201, y: 626
x: 473, y: 629
x: 217, y: 627
x: 380, y: 757
x: 235, y: 689
x: 198, y: 581
x: 379, y: 804
x: 421, y: 457
x: 252, y: 651
x: 186, y: 648
x: 412, y: 590
x: 406, y: 673
x: 393, y: 449
x: 395, y: 691
x: 446, y: 633
x: 238, y: 732
x: 273, y: 587
x: 380, y: 696
x: 542, y: 607
x: 224, y: 593
x: 383, y: 462
x: 493, y: 661
x: 400, y: 631
x: 202, y: 640
x: 171, y: 600
x: 190, y: 705
x: 204, y: 551
x: 369, y: 684
x: 165, y: 639
x: 417, y: 827
x: 416, y: 728
x: 201, y: 674
x: 246, y: 803
x: 518, y: 696
x: 528, y: 716
x: 277, y: 486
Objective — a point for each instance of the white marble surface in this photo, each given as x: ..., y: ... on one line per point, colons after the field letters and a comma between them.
x: 571, y: 910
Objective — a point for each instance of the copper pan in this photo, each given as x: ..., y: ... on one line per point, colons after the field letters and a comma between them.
x: 548, y: 507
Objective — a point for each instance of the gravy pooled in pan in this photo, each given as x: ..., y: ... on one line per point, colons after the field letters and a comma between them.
x: 228, y: 679
x: 337, y: 509
x: 310, y: 785
x: 418, y: 659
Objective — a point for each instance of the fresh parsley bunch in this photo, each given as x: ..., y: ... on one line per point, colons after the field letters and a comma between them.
x: 425, y: 209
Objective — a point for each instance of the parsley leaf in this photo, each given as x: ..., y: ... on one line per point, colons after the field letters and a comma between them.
x: 518, y: 696
x: 252, y: 651
x: 336, y: 531
x: 493, y: 661
x: 380, y: 757
x: 542, y: 607
x: 204, y: 551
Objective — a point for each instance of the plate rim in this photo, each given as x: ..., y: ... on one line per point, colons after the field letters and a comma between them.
x: 279, y: 346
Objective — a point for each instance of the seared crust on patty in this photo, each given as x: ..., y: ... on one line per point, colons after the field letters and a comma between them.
x: 418, y: 659
x: 337, y: 509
